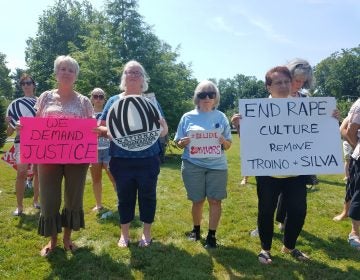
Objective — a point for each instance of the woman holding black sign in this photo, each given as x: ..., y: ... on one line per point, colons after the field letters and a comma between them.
x: 135, y: 171
x: 28, y: 86
x: 62, y: 102
x: 205, y: 177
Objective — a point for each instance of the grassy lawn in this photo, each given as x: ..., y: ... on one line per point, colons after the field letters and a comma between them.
x: 171, y: 256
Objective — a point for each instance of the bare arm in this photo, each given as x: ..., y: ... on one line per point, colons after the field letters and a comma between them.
x: 351, y: 134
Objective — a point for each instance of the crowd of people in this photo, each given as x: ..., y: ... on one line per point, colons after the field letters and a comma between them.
x: 134, y: 173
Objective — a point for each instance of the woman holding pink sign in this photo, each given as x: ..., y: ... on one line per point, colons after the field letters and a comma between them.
x: 62, y: 102
x: 205, y: 177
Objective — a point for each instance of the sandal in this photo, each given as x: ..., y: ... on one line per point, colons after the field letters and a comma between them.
x: 122, y: 243
x: 298, y: 255
x: 354, y: 241
x: 144, y: 243
x: 71, y: 247
x: 265, y: 257
x: 46, y: 251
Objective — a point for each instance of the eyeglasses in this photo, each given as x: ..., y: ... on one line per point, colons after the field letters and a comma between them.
x: 98, y: 96
x: 204, y: 94
x: 133, y: 73
x: 28, y: 83
x: 279, y: 83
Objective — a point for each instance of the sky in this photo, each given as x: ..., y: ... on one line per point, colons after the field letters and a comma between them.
x: 218, y: 38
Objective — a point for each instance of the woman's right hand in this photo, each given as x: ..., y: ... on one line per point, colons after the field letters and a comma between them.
x: 235, y: 120
x: 183, y: 142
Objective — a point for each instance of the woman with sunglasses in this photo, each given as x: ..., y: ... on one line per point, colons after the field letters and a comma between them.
x: 135, y: 172
x: 27, y: 84
x: 97, y: 98
x: 204, y: 178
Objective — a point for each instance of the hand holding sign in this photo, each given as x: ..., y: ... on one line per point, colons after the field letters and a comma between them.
x: 133, y: 123
x: 204, y: 144
x: 58, y: 140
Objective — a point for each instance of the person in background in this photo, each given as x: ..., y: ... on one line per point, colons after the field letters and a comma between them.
x: 302, y: 80
x: 204, y: 178
x: 350, y: 133
x: 28, y: 86
x: 135, y: 172
x: 97, y: 98
x: 62, y: 102
x: 347, y: 150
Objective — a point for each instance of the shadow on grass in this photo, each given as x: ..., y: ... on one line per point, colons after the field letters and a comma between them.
x: 332, y: 182
x: 84, y: 264
x: 114, y: 219
x: 334, y: 248
x: 161, y: 261
x: 243, y: 264
x: 29, y: 221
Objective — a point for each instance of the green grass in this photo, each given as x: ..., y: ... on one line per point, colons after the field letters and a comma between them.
x: 171, y: 256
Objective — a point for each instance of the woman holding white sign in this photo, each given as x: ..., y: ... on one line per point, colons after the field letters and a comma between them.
x: 62, y: 103
x: 134, y: 150
x: 293, y: 188
x: 204, y: 166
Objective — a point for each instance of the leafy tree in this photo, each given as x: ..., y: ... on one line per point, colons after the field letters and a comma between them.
x: 339, y: 74
x: 16, y: 78
x: 131, y: 38
x: 99, y: 66
x: 66, y: 22
x: 6, y: 90
x: 240, y: 86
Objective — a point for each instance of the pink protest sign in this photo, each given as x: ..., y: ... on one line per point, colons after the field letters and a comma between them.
x: 204, y: 144
x: 58, y: 140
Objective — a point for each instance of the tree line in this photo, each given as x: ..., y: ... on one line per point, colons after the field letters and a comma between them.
x: 103, y: 41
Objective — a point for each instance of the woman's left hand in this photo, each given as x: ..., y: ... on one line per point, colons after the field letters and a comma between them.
x: 164, y: 126
x: 336, y: 114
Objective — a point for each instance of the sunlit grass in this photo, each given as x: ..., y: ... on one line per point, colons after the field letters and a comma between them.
x: 171, y: 256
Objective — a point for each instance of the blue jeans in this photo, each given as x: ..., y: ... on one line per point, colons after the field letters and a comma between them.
x: 136, y: 177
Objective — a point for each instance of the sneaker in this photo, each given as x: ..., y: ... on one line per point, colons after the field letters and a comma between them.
x: 17, y: 212
x: 193, y: 235
x: 254, y: 233
x: 210, y: 242
x: 36, y: 205
x: 354, y: 241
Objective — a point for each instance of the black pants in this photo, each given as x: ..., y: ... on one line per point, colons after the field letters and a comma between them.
x: 293, y: 190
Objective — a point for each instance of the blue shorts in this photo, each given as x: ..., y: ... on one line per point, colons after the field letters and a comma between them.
x: 103, y: 156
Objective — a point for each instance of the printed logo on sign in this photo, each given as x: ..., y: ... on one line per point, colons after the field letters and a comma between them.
x: 21, y: 107
x: 133, y: 123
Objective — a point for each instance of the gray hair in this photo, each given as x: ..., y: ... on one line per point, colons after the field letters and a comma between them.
x: 300, y: 67
x: 68, y: 60
x: 146, y: 78
x: 206, y: 85
x: 97, y: 90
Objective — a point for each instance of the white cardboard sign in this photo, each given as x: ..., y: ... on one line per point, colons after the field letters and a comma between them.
x: 204, y: 144
x: 289, y: 136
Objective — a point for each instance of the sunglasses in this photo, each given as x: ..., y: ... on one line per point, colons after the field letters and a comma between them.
x: 204, y: 94
x: 28, y: 83
x: 98, y: 96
